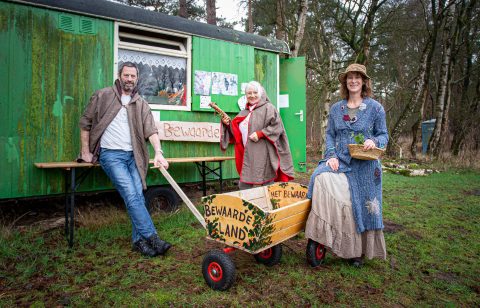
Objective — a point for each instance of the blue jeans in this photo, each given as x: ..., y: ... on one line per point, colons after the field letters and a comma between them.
x: 121, y: 169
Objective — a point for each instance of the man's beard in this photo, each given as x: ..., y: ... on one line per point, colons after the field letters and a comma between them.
x: 127, y: 86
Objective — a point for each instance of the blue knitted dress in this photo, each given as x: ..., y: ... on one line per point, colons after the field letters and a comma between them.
x: 364, y: 177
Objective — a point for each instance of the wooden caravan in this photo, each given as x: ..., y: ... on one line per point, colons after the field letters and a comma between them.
x: 256, y: 219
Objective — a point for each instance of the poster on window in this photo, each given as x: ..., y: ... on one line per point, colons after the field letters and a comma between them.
x: 162, y: 79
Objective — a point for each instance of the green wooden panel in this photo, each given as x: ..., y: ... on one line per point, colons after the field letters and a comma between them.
x: 292, y: 82
x: 266, y: 72
x: 225, y: 57
x: 51, y: 75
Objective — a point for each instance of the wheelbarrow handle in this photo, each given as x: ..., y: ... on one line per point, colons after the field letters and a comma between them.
x: 182, y: 195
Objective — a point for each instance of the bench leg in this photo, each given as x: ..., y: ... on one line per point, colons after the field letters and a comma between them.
x: 73, y: 188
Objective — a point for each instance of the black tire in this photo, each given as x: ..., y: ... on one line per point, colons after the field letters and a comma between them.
x: 315, y: 253
x: 218, y: 270
x: 270, y: 256
x: 161, y: 199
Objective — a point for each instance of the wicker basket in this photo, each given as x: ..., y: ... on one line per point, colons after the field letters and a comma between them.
x: 357, y: 151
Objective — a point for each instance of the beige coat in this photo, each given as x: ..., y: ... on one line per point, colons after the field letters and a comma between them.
x: 102, y: 109
x: 265, y: 160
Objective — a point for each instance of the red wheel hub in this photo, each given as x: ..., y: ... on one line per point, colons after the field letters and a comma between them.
x: 266, y: 254
x: 319, y: 252
x: 215, y: 271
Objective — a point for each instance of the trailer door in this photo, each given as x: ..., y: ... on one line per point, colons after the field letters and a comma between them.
x: 292, y: 104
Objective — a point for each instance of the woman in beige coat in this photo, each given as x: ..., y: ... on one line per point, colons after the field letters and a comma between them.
x: 262, y: 153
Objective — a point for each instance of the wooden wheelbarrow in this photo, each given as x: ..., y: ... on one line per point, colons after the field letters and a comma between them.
x: 256, y: 221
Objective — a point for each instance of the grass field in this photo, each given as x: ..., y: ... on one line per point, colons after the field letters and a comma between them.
x: 432, y: 235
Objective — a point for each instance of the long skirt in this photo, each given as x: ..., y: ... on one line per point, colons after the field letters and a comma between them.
x: 331, y: 221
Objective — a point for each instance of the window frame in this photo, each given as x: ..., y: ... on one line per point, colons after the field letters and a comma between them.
x: 184, y: 52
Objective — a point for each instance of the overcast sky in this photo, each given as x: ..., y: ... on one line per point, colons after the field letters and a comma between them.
x: 230, y: 10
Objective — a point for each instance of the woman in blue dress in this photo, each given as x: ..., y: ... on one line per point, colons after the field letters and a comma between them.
x: 346, y: 193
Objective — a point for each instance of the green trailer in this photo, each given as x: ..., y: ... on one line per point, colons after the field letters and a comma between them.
x: 54, y: 54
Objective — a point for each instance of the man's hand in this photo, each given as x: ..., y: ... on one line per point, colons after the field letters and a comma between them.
x: 333, y: 163
x: 87, y: 157
x: 368, y: 144
x: 253, y: 137
x: 159, y: 160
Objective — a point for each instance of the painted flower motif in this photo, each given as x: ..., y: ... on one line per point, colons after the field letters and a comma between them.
x: 377, y: 172
x: 353, y: 120
x: 373, y: 206
x: 346, y: 117
x: 362, y: 106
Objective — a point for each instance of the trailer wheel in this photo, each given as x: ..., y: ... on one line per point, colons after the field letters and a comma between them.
x: 270, y: 256
x: 315, y: 253
x: 161, y: 199
x: 218, y: 270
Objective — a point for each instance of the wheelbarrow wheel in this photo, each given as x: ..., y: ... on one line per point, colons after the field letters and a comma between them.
x: 218, y: 270
x: 315, y: 253
x: 270, y: 256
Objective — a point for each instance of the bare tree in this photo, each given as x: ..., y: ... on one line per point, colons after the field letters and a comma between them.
x: 280, y: 20
x: 211, y: 12
x: 250, y: 18
x: 301, y: 18
x: 182, y: 11
x: 444, y: 88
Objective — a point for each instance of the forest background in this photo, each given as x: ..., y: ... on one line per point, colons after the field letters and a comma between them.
x: 422, y: 55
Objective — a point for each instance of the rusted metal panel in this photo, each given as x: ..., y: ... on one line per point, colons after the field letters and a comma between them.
x: 266, y: 72
x: 51, y: 74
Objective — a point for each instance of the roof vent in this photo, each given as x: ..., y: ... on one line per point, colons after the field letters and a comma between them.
x: 65, y: 23
x: 87, y: 26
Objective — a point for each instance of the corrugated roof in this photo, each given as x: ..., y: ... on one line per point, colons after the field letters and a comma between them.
x: 120, y: 12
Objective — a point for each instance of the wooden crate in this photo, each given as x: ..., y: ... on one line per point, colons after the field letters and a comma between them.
x: 256, y: 219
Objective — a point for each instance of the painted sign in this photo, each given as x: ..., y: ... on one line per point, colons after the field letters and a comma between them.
x: 284, y: 194
x: 188, y: 131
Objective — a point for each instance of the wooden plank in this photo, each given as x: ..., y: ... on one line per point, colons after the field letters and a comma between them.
x: 172, y: 160
x: 290, y: 210
x: 284, y: 234
x: 290, y: 221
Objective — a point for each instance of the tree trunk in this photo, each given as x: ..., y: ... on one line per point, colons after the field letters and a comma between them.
x: 421, y: 82
x: 442, y: 100
x: 279, y: 20
x: 211, y: 12
x: 367, y: 33
x: 182, y: 11
x: 250, y: 18
x: 302, y: 17
x: 463, y: 127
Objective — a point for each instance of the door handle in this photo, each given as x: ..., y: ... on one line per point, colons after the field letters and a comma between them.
x: 300, y: 113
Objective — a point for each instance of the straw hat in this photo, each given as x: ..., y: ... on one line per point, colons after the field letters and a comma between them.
x: 355, y: 67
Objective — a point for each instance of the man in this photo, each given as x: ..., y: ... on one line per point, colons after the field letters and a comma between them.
x: 114, y: 129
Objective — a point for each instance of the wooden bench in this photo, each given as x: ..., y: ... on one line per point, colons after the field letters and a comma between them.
x: 73, y: 180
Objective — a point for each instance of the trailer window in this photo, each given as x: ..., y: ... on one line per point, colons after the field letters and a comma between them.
x: 163, y: 60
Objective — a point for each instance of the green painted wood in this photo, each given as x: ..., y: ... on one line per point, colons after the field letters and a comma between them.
x: 266, y: 72
x: 225, y: 57
x: 51, y: 74
x: 292, y: 82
